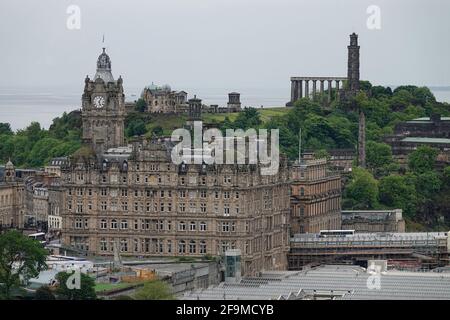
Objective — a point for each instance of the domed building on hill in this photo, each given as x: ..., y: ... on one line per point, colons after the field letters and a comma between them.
x: 161, y: 99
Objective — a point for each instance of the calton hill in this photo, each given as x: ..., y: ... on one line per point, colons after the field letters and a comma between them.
x: 418, y: 186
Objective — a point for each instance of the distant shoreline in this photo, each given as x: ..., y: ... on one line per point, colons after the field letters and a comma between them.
x: 20, y: 106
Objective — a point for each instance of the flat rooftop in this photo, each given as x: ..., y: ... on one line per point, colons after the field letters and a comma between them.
x: 426, y: 140
x: 426, y: 119
x: 341, y: 281
x: 424, y: 238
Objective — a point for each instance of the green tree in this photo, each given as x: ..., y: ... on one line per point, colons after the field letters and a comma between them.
x: 362, y: 190
x: 154, y: 290
x: 428, y: 184
x: 68, y: 124
x: 378, y: 156
x: 5, y: 128
x: 446, y: 177
x: 33, y: 132
x: 422, y: 159
x: 140, y: 105
x: 380, y: 91
x: 21, y: 258
x: 44, y: 293
x: 42, y: 152
x: 136, y: 128
x: 397, y: 192
x: 158, y: 131
x: 248, y: 118
x: 85, y: 292
x: 322, y: 154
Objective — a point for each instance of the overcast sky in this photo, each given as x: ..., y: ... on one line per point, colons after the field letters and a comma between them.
x: 223, y: 43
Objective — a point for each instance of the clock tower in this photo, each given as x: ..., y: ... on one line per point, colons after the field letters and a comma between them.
x: 103, y: 108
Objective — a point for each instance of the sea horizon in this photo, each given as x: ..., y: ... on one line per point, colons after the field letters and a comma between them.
x: 20, y: 104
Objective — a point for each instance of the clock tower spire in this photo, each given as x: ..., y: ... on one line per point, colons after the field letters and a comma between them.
x: 103, y: 108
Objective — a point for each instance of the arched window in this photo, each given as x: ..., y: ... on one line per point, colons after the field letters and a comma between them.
x: 182, y: 226
x: 192, y: 247
x: 103, y: 244
x: 192, y: 226
x: 203, y: 247
x: 202, y: 226
x: 123, y: 245
x: 113, y: 224
x: 181, y: 246
x: 124, y: 224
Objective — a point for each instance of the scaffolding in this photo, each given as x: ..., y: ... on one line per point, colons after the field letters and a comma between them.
x: 429, y: 250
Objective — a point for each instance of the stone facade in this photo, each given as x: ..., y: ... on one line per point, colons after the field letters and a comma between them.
x: 164, y: 100
x: 134, y: 201
x: 234, y: 102
x: 54, y: 168
x: 373, y: 220
x: 315, y: 197
x: 353, y: 64
x: 103, y: 108
x: 12, y: 199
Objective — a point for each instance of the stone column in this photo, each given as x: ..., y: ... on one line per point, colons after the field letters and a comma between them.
x: 321, y: 86
x: 293, y: 90
x: 314, y: 89
x: 337, y: 89
x: 330, y: 82
x: 307, y: 89
x: 296, y: 95
x: 300, y: 89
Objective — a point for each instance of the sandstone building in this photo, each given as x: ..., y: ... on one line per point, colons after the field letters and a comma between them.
x: 135, y: 201
x: 12, y: 198
x: 164, y: 100
x: 315, y: 197
x: 373, y: 220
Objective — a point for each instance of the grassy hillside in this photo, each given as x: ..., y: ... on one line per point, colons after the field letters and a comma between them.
x: 168, y: 123
x: 266, y: 115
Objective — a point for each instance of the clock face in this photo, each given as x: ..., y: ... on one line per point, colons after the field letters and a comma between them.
x: 99, y: 102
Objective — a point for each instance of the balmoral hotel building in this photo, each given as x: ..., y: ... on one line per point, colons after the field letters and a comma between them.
x: 133, y: 200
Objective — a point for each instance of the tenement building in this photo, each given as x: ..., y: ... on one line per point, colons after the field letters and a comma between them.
x: 315, y: 197
x: 12, y: 198
x: 133, y: 200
